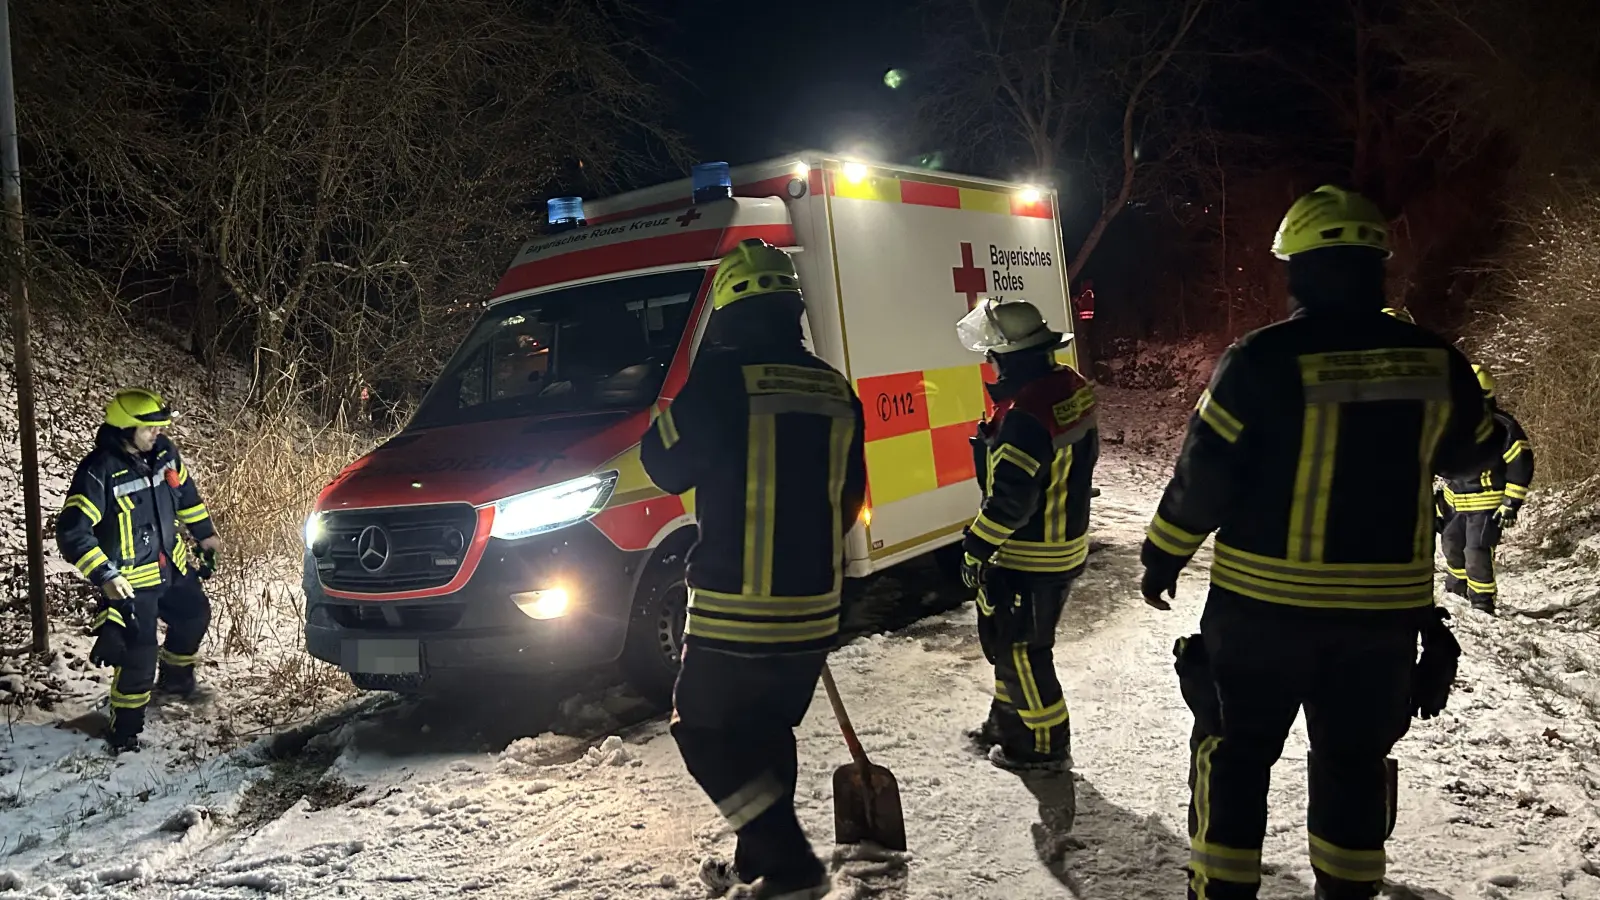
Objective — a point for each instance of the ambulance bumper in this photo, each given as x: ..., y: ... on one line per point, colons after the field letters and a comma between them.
x: 481, y: 626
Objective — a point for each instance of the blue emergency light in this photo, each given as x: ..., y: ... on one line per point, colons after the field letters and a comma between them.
x: 565, y: 213
x: 712, y: 181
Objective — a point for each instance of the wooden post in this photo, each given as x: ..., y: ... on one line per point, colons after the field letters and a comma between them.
x: 11, y: 175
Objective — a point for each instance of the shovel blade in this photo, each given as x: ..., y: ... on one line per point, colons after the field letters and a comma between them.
x: 866, y: 806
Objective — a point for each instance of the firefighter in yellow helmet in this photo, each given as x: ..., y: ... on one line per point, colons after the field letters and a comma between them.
x: 1312, y: 455
x: 1035, y: 457
x: 769, y: 437
x: 120, y: 528
x: 1474, y: 510
x: 1400, y: 313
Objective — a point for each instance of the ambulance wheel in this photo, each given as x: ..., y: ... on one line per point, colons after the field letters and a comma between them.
x: 655, y: 632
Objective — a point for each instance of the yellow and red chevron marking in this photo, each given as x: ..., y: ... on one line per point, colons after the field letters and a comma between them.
x: 890, y: 187
x: 918, y: 428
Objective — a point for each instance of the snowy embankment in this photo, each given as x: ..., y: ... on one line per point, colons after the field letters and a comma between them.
x: 245, y: 466
x: 395, y: 799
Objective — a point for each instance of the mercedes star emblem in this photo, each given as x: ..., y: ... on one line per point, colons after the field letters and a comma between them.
x: 372, y: 548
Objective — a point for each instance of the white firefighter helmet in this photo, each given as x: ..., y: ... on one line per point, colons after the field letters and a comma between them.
x: 994, y: 326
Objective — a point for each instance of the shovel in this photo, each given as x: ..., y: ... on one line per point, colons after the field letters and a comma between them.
x: 866, y: 798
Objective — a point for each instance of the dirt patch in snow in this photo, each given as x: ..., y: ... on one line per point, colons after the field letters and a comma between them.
x: 301, y: 777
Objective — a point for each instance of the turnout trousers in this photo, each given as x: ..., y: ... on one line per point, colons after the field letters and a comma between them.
x: 734, y: 717
x: 1354, y: 680
x: 1017, y: 619
x: 1468, y: 541
x: 186, y: 610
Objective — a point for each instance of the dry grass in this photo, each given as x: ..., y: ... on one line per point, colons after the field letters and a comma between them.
x: 261, y: 479
x: 1546, y: 355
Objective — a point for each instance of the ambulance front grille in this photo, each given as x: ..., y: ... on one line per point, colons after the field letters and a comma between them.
x: 395, y: 549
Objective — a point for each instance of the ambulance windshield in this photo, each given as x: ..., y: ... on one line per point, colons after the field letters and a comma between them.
x: 602, y: 346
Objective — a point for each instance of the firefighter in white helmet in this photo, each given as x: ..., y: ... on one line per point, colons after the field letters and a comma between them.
x: 1035, y: 457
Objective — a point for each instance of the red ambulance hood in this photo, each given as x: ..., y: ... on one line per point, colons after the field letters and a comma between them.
x: 481, y: 462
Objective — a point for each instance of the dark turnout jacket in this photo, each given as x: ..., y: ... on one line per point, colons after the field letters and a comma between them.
x: 1504, y: 483
x: 1312, y: 456
x: 1035, y: 459
x: 770, y: 440
x: 123, y: 510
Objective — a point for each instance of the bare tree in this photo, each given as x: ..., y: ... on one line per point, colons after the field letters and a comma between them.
x: 322, y: 181
x: 1027, y: 83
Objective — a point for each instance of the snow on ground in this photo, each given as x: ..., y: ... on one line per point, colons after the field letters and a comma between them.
x: 531, y: 791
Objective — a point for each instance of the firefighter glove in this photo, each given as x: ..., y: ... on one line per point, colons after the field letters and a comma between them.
x: 208, y: 563
x: 1436, y: 670
x: 110, y: 646
x: 972, y: 570
x: 1158, y: 580
x: 117, y: 589
x: 111, y: 629
x: 1505, y: 517
x: 1441, y: 512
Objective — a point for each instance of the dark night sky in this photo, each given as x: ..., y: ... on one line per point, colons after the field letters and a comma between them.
x: 773, y: 78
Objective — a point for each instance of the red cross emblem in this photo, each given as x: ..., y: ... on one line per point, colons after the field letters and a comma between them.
x: 686, y: 218
x: 969, y: 279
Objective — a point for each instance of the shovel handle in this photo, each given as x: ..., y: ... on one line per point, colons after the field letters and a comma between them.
x: 850, y: 740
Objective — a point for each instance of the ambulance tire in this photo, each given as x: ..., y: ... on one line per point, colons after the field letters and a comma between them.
x: 655, y: 631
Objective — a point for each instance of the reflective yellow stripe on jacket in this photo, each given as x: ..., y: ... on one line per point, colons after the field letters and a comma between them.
x: 1481, y: 501
x: 1043, y: 556
x: 1323, y: 585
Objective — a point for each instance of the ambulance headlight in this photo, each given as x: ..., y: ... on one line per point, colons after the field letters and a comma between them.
x: 549, y: 508
x: 316, y: 534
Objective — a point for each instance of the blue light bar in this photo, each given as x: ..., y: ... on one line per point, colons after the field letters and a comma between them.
x: 712, y: 181
x: 564, y: 212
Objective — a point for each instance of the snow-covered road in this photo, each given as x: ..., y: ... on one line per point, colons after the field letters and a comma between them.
x: 395, y: 800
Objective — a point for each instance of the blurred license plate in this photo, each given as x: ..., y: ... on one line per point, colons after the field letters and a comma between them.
x: 383, y: 657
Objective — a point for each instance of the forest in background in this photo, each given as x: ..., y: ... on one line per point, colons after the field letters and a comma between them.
x: 323, y: 192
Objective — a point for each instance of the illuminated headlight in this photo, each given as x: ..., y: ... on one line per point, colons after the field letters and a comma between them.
x: 314, y: 529
x: 549, y: 508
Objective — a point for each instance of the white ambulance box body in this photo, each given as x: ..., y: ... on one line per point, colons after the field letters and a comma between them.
x: 890, y: 258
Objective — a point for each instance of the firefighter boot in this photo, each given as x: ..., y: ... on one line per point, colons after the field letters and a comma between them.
x: 1482, y: 602
x: 175, y: 681
x: 986, y: 735
x: 1058, y: 762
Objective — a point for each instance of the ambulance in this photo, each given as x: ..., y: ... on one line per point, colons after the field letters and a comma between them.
x: 510, y: 525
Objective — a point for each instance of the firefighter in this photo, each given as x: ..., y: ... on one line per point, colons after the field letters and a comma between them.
x: 1035, y: 457
x: 769, y: 437
x: 1312, y: 454
x: 1475, y: 510
x: 119, y: 527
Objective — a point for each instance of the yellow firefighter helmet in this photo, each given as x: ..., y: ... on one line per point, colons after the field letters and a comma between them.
x: 135, y: 407
x: 753, y: 268
x: 1331, y: 217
